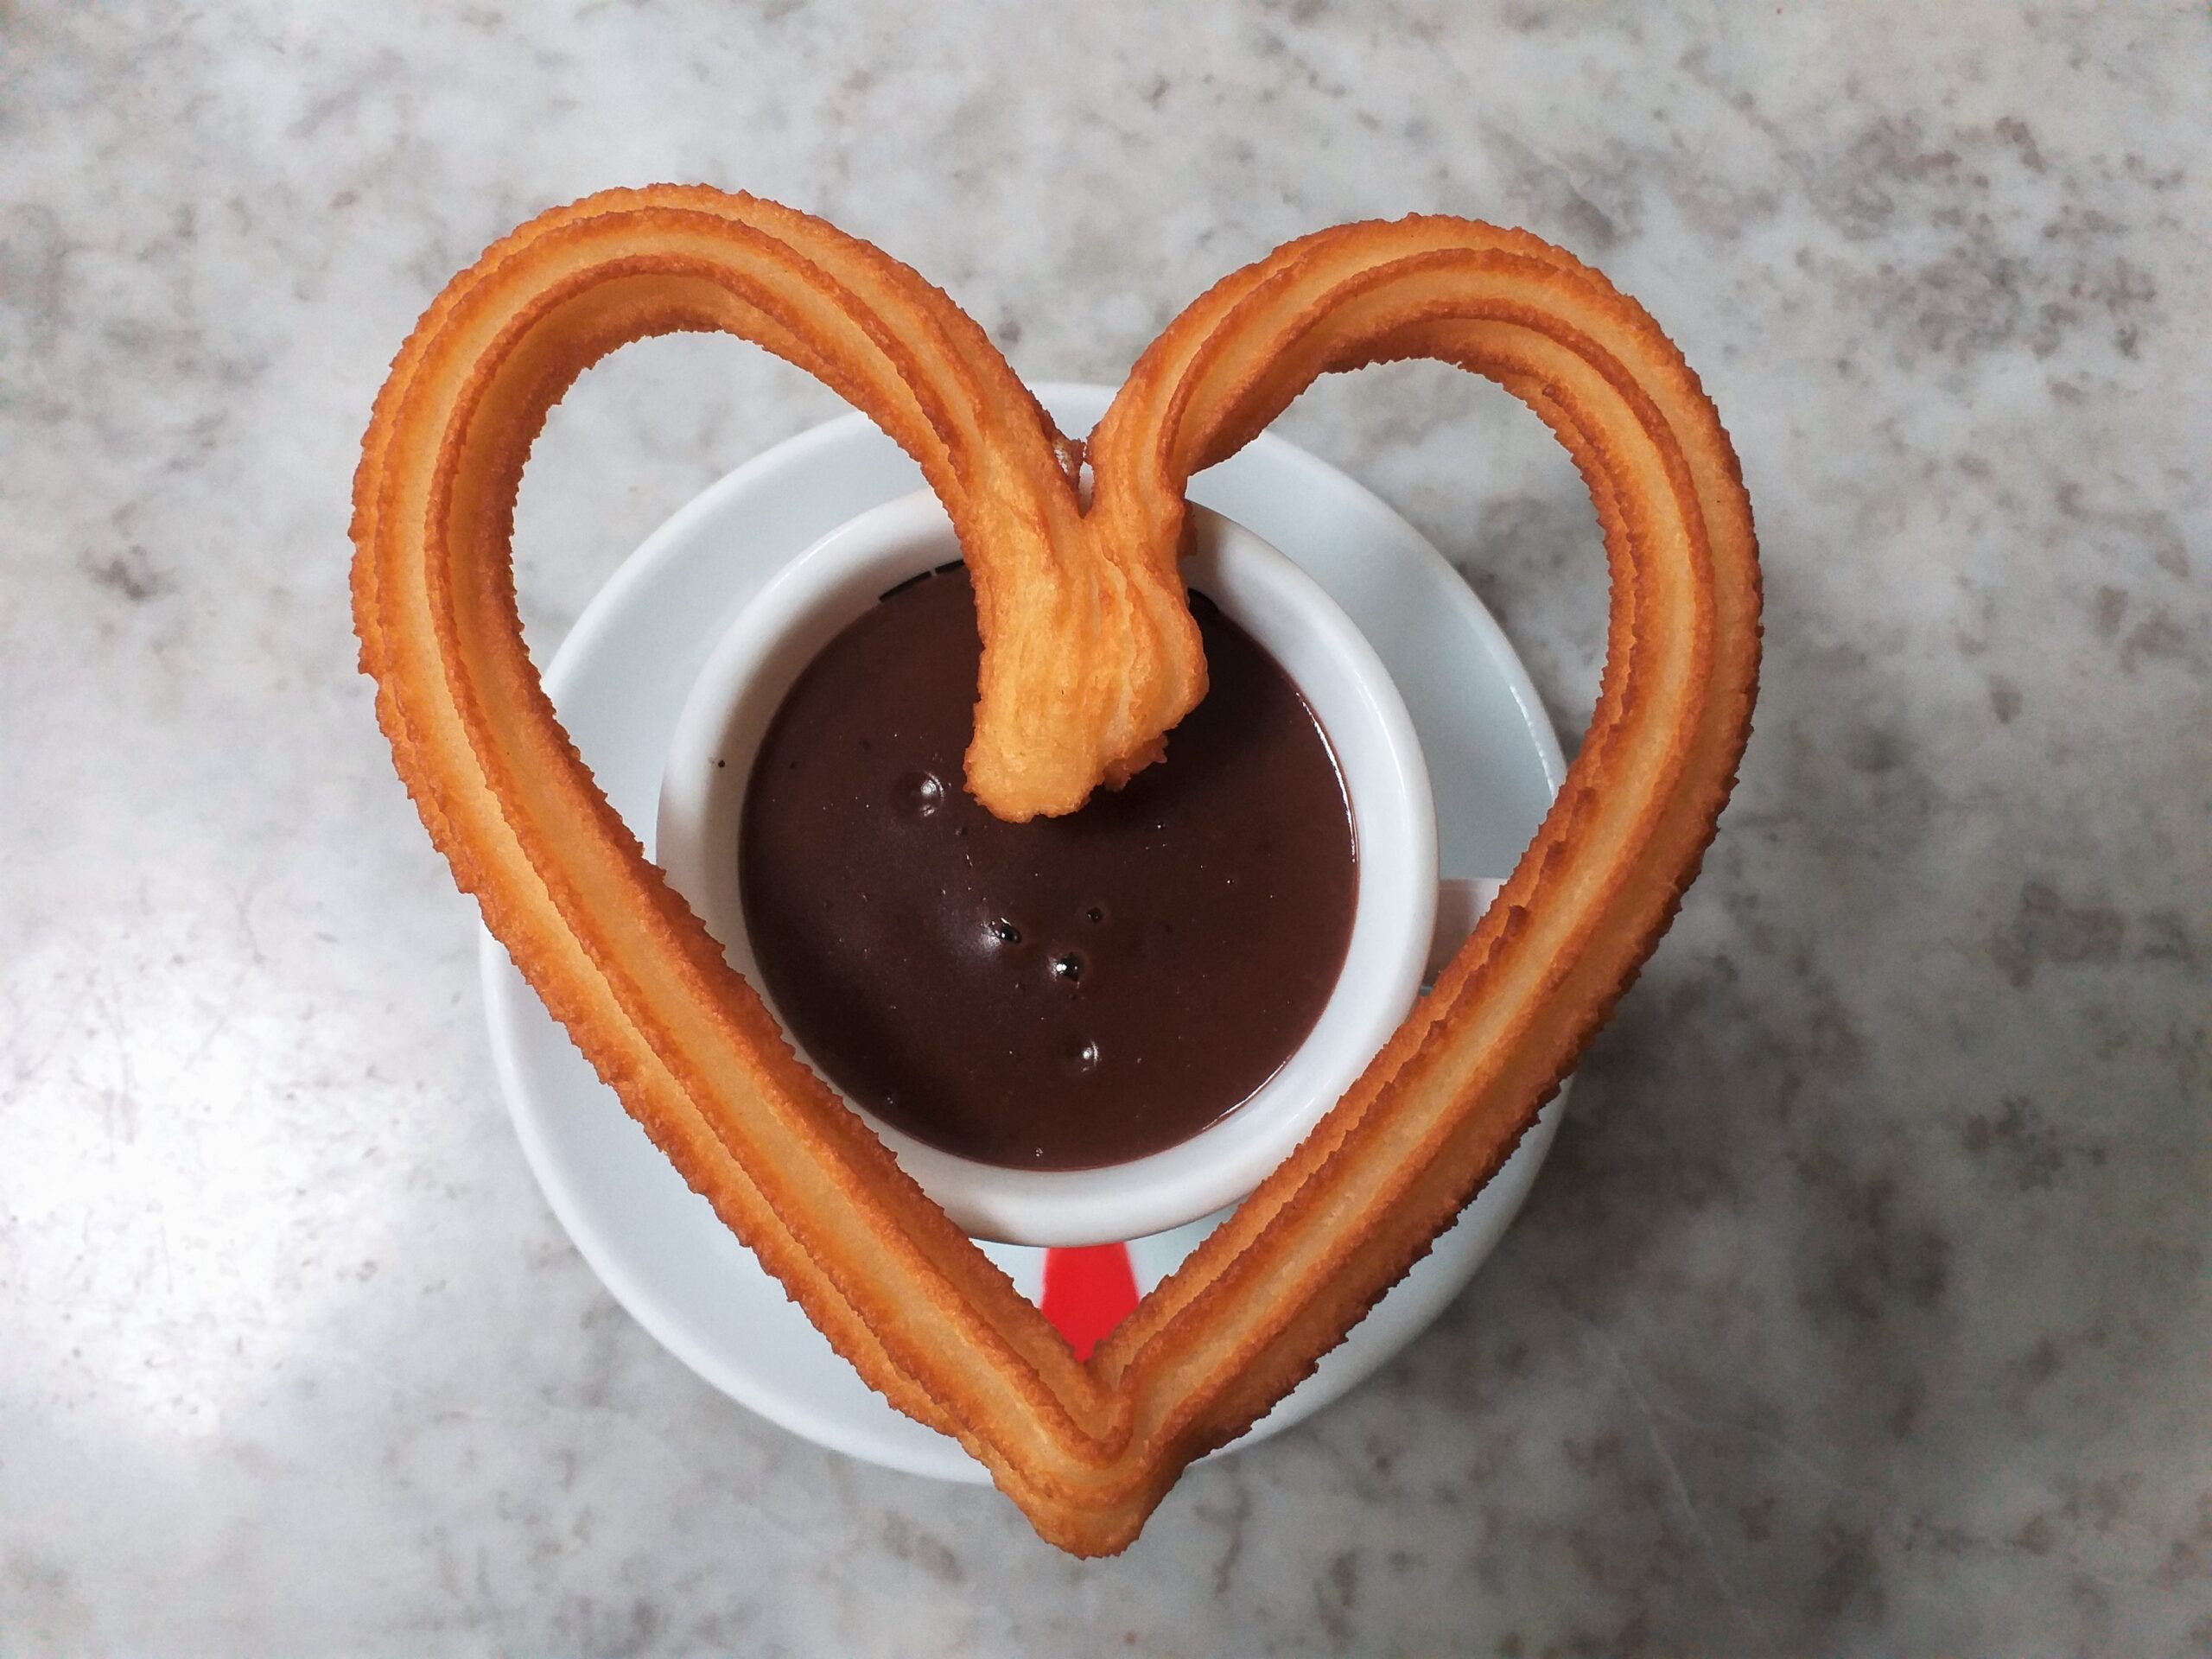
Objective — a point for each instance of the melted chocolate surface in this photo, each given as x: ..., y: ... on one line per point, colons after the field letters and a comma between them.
x: 1058, y: 994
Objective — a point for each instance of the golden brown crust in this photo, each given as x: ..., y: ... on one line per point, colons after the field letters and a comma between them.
x: 1089, y: 658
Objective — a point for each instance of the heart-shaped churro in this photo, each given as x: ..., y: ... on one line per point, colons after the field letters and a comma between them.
x: 1090, y: 657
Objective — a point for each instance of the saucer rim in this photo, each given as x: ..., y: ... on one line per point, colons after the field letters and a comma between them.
x: 511, y: 1009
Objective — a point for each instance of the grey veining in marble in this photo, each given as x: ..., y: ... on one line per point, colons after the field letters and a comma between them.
x: 1864, y: 1306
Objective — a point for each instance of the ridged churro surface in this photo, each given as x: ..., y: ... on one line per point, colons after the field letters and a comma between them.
x: 1089, y: 659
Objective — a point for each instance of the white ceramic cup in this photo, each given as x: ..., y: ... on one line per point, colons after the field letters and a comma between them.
x: 775, y: 636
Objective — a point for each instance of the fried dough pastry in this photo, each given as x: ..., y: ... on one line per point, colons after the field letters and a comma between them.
x: 1090, y: 657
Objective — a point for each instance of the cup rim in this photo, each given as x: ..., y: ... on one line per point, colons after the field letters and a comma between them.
x: 760, y: 654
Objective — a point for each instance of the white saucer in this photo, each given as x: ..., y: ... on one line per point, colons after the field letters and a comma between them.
x: 619, y: 681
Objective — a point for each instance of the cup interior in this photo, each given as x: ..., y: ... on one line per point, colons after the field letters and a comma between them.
x: 770, y: 643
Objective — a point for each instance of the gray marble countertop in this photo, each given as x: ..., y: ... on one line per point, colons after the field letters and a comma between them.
x: 1864, y: 1306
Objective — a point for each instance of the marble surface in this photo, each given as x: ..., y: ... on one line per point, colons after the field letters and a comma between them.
x: 1864, y: 1306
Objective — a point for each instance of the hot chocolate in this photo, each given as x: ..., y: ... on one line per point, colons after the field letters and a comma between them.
x: 1060, y: 994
